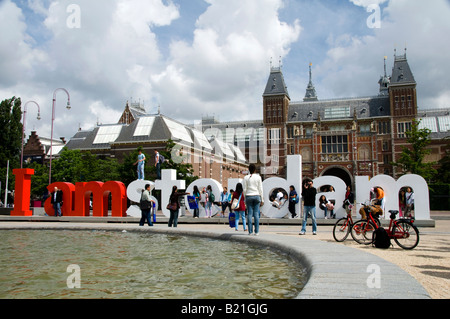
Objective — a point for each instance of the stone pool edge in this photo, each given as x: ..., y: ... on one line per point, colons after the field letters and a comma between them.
x: 334, y: 271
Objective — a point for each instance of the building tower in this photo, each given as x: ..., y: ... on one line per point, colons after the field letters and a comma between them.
x: 311, y: 94
x: 402, y: 89
x: 384, y: 82
x: 276, y: 102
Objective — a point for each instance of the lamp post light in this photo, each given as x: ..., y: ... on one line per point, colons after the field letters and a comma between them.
x: 53, y: 119
x: 23, y: 125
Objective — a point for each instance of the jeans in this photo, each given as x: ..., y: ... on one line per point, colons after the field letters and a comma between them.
x: 140, y: 171
x: 208, y: 208
x: 158, y: 171
x: 173, y: 218
x: 253, y: 203
x: 57, y: 207
x: 146, y: 216
x: 240, y: 215
x: 307, y: 210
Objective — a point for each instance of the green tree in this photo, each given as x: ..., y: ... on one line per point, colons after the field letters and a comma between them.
x: 412, y: 157
x: 175, y: 160
x: 10, y: 137
x: 74, y: 166
x: 443, y: 174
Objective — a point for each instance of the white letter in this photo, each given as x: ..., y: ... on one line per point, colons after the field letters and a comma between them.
x: 74, y: 19
x: 374, y: 20
x: 74, y: 280
x: 374, y: 280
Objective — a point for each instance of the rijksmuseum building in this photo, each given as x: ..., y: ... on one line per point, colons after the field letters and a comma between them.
x: 343, y: 137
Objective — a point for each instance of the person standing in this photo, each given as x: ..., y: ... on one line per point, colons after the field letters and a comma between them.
x: 253, y: 192
x: 293, y: 200
x: 209, y: 201
x: 240, y: 211
x: 309, y: 195
x: 224, y: 197
x: 349, y: 200
x: 140, y: 165
x: 174, y: 201
x: 197, y: 196
x: 409, y: 195
x: 146, y: 206
x: 56, y: 201
x: 158, y: 164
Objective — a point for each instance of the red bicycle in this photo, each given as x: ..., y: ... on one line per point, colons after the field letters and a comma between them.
x: 402, y: 231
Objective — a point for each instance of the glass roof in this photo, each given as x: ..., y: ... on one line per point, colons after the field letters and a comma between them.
x: 108, y: 134
x: 178, y: 131
x: 429, y: 123
x: 144, y: 126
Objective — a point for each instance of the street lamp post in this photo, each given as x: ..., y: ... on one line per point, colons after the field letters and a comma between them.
x: 53, y: 119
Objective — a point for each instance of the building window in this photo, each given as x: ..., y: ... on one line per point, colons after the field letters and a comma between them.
x: 403, y: 128
x: 334, y: 144
x: 275, y: 136
x: 384, y: 128
x: 364, y: 129
x: 337, y: 112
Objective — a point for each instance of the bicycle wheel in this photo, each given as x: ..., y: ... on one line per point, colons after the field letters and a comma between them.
x: 362, y: 232
x: 405, y: 234
x: 341, y: 229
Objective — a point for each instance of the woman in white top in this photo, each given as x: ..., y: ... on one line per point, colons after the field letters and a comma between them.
x: 253, y: 192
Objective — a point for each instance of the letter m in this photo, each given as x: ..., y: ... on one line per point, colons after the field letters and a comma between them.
x: 100, y: 199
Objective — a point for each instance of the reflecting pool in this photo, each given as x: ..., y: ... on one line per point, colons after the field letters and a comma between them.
x: 35, y: 264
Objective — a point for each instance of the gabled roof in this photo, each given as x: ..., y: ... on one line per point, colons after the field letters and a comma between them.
x: 276, y: 84
x: 335, y: 109
x: 401, y: 72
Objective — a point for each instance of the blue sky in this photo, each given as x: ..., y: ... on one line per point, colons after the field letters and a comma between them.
x: 210, y: 57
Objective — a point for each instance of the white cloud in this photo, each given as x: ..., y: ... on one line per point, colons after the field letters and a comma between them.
x: 221, y: 70
x: 367, y: 3
x: 354, y: 61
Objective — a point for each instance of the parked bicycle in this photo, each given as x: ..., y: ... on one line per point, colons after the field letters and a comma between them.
x: 402, y: 231
x: 342, y: 228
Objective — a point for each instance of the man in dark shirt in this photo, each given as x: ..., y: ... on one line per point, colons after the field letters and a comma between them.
x: 56, y: 201
x: 309, y: 197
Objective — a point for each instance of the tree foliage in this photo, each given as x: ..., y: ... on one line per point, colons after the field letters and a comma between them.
x: 10, y: 137
x: 443, y: 175
x: 412, y: 158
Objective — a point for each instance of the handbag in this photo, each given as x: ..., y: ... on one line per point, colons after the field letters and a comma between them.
x: 235, y: 203
x: 144, y: 204
x: 172, y: 206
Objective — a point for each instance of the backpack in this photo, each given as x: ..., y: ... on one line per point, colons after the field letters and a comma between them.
x: 212, y: 198
x: 161, y: 159
x: 381, y: 238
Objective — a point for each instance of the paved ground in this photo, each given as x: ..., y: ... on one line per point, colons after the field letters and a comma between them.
x: 428, y: 264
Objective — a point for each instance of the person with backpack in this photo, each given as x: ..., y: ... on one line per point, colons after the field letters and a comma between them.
x: 240, y: 210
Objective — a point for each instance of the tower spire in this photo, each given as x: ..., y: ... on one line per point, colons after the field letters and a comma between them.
x: 311, y: 94
x: 384, y: 81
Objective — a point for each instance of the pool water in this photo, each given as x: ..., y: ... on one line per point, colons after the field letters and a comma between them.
x: 127, y: 265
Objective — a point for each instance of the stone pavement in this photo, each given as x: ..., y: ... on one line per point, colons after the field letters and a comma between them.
x: 336, y: 271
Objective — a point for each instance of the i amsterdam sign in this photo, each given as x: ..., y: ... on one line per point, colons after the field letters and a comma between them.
x: 76, y: 197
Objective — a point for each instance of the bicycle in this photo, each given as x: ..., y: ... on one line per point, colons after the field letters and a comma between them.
x: 402, y: 231
x: 342, y: 228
